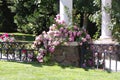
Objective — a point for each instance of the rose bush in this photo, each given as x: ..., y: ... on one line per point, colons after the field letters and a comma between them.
x: 59, y: 33
x: 7, y: 38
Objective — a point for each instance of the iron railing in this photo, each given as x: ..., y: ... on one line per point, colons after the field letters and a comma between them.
x: 17, y: 51
x: 105, y: 56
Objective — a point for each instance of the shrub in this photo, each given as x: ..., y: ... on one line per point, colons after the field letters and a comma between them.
x: 7, y: 38
x: 34, y: 16
x: 58, y: 34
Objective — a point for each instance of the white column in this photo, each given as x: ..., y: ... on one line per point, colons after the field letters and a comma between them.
x: 106, y: 18
x: 66, y: 14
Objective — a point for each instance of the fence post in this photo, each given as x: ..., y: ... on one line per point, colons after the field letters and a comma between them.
x: 7, y: 54
x: 0, y: 53
x: 14, y: 54
x: 98, y: 59
x: 26, y: 55
x: 20, y: 54
x: 104, y: 60
x: 110, y: 62
x: 116, y: 62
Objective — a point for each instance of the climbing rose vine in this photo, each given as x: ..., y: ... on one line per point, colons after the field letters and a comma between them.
x: 58, y: 34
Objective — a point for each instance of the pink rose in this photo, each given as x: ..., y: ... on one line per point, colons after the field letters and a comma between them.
x: 71, y: 39
x: 5, y: 34
x: 84, y: 39
x: 75, y: 33
x: 88, y: 36
x: 58, y: 16
x: 51, y: 49
x: 24, y: 51
x: 75, y: 27
x: 78, y: 33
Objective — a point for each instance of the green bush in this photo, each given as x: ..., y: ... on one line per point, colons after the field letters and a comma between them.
x: 33, y: 16
x: 6, y: 18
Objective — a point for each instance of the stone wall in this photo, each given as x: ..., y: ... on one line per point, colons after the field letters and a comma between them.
x: 67, y: 55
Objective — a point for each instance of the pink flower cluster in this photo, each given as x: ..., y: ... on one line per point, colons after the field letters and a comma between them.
x: 59, y: 33
x: 7, y: 38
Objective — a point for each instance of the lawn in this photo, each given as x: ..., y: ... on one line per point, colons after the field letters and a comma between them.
x: 37, y: 71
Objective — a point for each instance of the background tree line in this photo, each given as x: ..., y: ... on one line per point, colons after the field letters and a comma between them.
x: 34, y: 16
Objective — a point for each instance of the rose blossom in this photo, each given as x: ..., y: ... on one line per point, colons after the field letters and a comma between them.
x: 58, y: 16
x: 71, y: 39
x: 55, y: 43
x: 74, y: 33
x: 30, y: 55
x: 78, y: 33
x: 61, y: 29
x: 38, y: 38
x: 65, y: 30
x: 5, y: 35
x: 76, y: 28
x: 40, y: 58
x: 52, y: 49
x: 88, y: 36
x: 81, y: 43
x: 84, y: 39
x: 62, y: 21
x: 57, y: 33
x: 66, y: 34
x: 70, y: 32
x: 50, y: 33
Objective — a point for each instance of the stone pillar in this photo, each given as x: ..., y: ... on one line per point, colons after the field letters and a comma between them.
x: 106, y: 18
x: 66, y: 11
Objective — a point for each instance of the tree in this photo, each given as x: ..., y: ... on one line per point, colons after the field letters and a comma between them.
x: 6, y: 17
x: 84, y: 9
x: 34, y: 16
x: 116, y: 19
x: 96, y: 18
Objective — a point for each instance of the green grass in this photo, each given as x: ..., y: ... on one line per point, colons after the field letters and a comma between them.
x: 37, y: 71
x: 23, y: 37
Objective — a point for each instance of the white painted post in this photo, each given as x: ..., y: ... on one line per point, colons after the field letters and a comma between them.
x: 106, y: 18
x: 66, y: 16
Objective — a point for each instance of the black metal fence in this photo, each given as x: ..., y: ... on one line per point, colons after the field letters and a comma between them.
x: 17, y: 51
x: 104, y: 56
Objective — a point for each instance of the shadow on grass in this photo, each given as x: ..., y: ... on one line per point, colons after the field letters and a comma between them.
x: 38, y: 64
x: 94, y: 68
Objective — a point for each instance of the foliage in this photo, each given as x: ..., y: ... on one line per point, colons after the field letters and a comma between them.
x: 84, y: 6
x: 34, y: 16
x: 116, y: 19
x: 81, y: 12
x: 59, y: 33
x: 87, y: 58
x: 6, y: 17
x: 7, y: 38
x: 96, y: 17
